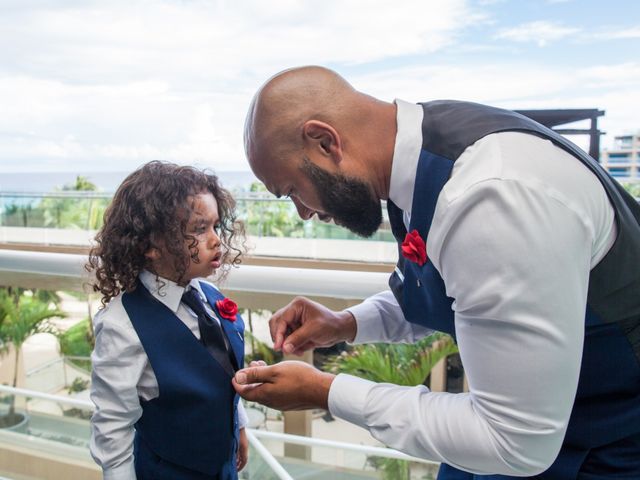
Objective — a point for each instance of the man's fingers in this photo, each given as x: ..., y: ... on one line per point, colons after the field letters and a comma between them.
x: 250, y: 375
x: 283, y: 321
x: 299, y: 340
x: 248, y: 392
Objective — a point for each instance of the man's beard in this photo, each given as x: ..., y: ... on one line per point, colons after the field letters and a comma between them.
x: 348, y: 200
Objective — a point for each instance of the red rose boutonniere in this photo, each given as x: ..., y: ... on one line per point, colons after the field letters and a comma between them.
x: 414, y: 248
x: 227, y: 308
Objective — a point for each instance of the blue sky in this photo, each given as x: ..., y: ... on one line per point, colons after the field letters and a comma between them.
x: 93, y: 85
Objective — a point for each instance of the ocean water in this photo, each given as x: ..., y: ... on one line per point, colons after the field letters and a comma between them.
x: 106, y: 181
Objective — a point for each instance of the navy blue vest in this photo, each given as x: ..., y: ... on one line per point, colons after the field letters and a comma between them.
x: 192, y: 426
x: 606, y: 412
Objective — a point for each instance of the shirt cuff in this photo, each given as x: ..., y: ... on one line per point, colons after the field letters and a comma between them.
x: 124, y: 471
x: 368, y: 322
x: 347, y: 398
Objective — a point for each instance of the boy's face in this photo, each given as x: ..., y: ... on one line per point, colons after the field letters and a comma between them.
x: 203, y: 225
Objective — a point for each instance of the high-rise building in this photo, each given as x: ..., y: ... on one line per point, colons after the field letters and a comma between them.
x: 623, y: 160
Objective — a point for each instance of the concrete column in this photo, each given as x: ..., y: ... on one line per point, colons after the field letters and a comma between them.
x: 298, y: 422
x: 438, y: 382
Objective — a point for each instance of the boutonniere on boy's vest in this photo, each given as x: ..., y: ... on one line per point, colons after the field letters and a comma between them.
x: 414, y: 249
x: 227, y: 309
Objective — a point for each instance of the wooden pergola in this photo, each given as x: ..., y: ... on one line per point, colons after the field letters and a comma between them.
x: 555, y: 118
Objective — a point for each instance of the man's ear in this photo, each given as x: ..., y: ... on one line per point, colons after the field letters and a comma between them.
x: 322, y: 137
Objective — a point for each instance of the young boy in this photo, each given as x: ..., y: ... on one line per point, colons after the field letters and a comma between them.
x: 167, y: 342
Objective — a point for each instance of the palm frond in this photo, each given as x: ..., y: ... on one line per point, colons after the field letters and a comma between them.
x: 401, y: 364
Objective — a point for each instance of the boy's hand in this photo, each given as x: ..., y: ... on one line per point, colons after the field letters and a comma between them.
x: 243, y: 450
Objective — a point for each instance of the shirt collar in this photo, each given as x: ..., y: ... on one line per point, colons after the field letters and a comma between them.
x: 166, y: 291
x: 406, y: 153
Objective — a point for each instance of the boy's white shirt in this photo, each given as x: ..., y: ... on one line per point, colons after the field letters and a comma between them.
x: 121, y: 374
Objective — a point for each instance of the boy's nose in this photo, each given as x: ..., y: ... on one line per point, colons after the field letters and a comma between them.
x: 214, y: 239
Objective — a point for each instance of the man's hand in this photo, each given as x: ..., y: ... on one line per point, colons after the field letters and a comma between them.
x: 284, y: 386
x: 304, y: 324
x: 243, y: 450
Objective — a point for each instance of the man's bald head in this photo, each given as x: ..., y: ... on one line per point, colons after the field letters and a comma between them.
x: 310, y: 135
x: 290, y: 98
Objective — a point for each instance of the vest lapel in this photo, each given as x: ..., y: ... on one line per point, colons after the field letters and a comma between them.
x: 233, y: 330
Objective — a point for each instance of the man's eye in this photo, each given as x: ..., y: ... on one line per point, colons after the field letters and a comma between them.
x: 217, y: 227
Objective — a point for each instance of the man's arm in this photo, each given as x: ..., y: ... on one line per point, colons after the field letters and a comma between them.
x: 304, y: 324
x: 517, y: 262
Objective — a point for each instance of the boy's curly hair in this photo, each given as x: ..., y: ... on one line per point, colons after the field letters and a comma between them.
x: 152, y: 204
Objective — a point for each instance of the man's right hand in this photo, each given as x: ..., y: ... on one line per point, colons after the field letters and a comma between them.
x: 304, y: 324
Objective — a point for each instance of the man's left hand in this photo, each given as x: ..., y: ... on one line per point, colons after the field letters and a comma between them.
x: 289, y: 385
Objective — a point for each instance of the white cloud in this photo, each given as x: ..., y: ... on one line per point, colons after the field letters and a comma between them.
x: 130, y: 81
x: 619, y: 33
x: 540, y: 32
x: 110, y: 85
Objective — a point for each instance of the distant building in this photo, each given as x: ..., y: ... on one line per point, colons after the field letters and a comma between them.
x: 623, y: 160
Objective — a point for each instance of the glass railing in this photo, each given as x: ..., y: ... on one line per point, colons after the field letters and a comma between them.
x: 59, y: 426
x: 263, y: 215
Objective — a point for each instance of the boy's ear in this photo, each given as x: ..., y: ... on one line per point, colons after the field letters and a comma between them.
x: 153, y: 254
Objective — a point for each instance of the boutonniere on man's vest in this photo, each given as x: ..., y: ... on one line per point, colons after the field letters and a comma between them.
x: 227, y: 309
x: 414, y: 249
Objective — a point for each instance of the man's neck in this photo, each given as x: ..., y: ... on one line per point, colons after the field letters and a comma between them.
x: 383, y: 137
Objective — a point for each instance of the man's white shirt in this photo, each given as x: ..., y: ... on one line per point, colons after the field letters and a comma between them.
x: 122, y: 374
x: 516, y: 230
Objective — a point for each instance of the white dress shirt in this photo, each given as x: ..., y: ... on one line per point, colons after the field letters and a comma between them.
x: 516, y: 230
x: 121, y: 374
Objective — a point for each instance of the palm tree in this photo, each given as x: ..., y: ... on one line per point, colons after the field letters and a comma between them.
x: 20, y: 318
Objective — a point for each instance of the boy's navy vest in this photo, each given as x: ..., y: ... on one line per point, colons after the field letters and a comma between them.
x: 190, y: 431
x: 605, y: 421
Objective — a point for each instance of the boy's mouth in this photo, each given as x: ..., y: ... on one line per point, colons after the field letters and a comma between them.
x: 215, y: 262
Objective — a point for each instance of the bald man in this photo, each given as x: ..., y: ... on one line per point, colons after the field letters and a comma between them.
x: 510, y: 238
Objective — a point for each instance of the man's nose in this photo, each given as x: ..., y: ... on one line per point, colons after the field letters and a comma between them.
x: 304, y: 212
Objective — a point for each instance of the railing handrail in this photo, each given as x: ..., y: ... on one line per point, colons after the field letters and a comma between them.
x: 341, y: 284
x: 90, y: 194
x: 318, y: 442
x: 266, y: 455
x: 72, y: 402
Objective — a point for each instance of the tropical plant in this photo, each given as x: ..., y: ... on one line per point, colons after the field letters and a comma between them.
x: 78, y: 341
x: 267, y: 218
x: 21, y: 316
x: 260, y: 350
x: 633, y: 189
x: 400, y: 364
x: 78, y: 385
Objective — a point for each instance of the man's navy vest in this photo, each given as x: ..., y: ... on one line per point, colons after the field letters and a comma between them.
x: 606, y: 413
x: 190, y: 431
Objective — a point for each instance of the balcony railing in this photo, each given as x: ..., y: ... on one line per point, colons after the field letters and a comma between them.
x: 65, y: 436
x: 63, y: 432
x: 264, y: 215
